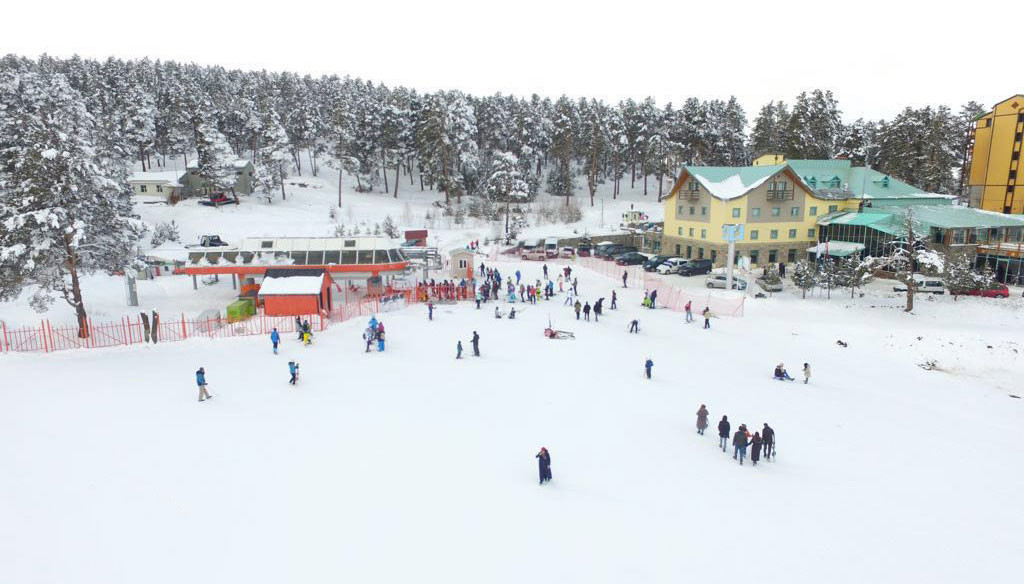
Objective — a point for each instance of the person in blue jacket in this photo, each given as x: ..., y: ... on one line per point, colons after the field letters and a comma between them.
x: 430, y: 311
x: 293, y: 368
x: 518, y: 277
x: 275, y: 338
x: 648, y: 366
x: 201, y: 382
x: 373, y: 322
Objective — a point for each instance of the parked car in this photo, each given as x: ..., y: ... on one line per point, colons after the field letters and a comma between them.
x: 615, y: 251
x: 653, y: 263
x: 719, y: 281
x: 925, y: 285
x: 695, y: 267
x: 769, y: 286
x: 996, y: 291
x: 567, y: 253
x: 536, y: 253
x: 630, y: 259
x: 671, y: 266
x: 601, y: 247
x: 583, y: 250
x: 551, y: 247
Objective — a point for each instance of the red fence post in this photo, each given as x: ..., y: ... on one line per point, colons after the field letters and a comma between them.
x: 184, y: 329
x: 7, y: 343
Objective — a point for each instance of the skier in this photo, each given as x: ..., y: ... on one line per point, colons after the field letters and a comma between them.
x: 368, y: 335
x: 577, y: 308
x: 614, y: 299
x: 545, y: 271
x: 430, y: 311
x: 625, y: 274
x: 723, y: 432
x: 575, y: 281
x: 380, y: 339
x: 201, y: 382
x: 476, y: 344
x: 373, y: 323
x: 544, y: 465
x: 739, y: 442
x: 458, y: 350
x: 702, y: 419
x: 518, y: 277
x: 781, y: 374
x: 598, y: 308
x: 298, y: 327
x: 807, y: 373
x: 707, y: 317
x: 634, y: 327
x: 293, y: 368
x: 479, y: 297
x: 307, y: 338
x: 755, y: 448
x: 648, y: 365
x: 586, y: 312
x: 768, y: 441
x: 689, y: 312
x: 654, y: 298
x: 275, y: 338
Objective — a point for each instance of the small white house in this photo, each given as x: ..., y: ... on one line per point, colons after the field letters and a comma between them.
x: 161, y: 184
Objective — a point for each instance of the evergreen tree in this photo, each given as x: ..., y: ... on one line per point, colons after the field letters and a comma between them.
x: 770, y: 126
x: 853, y: 272
x: 815, y: 127
x: 560, y: 179
x: 805, y: 277
x: 506, y: 184
x: 65, y: 211
x: 215, y: 161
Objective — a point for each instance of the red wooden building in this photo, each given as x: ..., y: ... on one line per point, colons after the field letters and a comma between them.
x: 294, y: 292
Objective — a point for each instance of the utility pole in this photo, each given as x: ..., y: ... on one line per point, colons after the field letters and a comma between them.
x: 731, y: 232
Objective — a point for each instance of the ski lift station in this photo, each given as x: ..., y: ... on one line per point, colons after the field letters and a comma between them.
x: 350, y: 262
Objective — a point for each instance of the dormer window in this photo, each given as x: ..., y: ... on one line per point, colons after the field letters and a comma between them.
x: 694, y: 186
x: 885, y: 182
x: 834, y: 183
x: 812, y: 182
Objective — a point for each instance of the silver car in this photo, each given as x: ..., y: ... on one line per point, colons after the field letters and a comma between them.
x: 718, y: 281
x: 769, y: 286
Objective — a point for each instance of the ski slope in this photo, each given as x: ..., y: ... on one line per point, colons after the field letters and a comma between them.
x: 410, y: 466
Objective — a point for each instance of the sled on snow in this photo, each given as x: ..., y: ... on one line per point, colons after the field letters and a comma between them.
x: 557, y: 334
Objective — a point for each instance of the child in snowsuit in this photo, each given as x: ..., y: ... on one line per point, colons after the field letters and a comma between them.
x: 544, y: 465
x: 307, y: 338
x: 368, y: 335
x: 702, y: 419
x: 807, y: 373
x: 648, y: 365
x: 275, y: 338
x: 298, y: 327
x: 201, y: 382
x: 293, y: 368
x: 625, y: 274
x: 654, y: 298
x: 689, y: 313
x: 723, y: 432
x: 380, y: 339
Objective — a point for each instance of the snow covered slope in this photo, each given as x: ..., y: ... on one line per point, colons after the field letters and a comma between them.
x: 410, y: 466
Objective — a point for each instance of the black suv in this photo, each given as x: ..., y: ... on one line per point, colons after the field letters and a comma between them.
x: 695, y: 267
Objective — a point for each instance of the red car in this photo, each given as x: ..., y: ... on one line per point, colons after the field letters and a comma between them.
x: 997, y: 291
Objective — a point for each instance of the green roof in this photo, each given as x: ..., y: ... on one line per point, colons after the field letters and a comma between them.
x: 855, y: 181
x: 950, y: 217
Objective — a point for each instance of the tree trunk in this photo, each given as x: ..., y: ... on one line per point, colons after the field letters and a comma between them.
x: 76, y: 295
x: 145, y: 325
x: 632, y: 180
x: 910, y: 297
x: 384, y: 170
x: 312, y: 161
x: 142, y: 156
x: 398, y: 166
x: 341, y: 171
x: 645, y: 184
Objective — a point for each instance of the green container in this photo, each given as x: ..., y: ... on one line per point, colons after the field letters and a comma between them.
x: 241, y: 309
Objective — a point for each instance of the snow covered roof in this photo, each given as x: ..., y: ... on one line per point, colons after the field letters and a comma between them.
x: 167, y: 177
x: 731, y: 182
x: 238, y: 163
x: 839, y: 249
x: 268, y: 244
x: 291, y: 285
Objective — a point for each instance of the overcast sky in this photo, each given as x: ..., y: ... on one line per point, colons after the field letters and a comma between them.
x: 877, y: 57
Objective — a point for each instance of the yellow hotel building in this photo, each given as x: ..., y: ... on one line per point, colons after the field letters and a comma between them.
x: 779, y: 206
x: 995, y: 158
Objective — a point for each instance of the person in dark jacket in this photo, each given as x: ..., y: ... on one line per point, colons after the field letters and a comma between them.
x: 615, y: 298
x: 781, y: 374
x: 430, y: 311
x: 648, y: 365
x: 654, y: 298
x: 755, y: 448
x: 739, y: 442
x: 634, y: 326
x: 767, y: 440
x: 586, y: 311
x: 625, y: 275
x: 702, y: 419
x: 544, y: 465
x: 476, y: 344
x: 723, y: 432
x: 577, y: 308
x: 458, y: 350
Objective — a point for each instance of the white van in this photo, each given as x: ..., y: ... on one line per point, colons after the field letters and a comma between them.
x: 551, y: 247
x: 670, y: 266
x: 924, y: 285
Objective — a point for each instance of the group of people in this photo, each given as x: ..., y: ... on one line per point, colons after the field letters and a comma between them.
x: 782, y: 375
x: 650, y: 298
x: 374, y: 333
x: 475, y: 341
x: 304, y: 330
x: 762, y: 442
x: 446, y: 290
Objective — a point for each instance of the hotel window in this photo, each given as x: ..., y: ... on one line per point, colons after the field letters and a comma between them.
x: 142, y: 188
x: 679, y: 210
x: 773, y: 234
x: 692, y: 211
x: 703, y: 210
x: 773, y: 256
x: 958, y: 237
x: 755, y: 212
x: 791, y: 256
x: 792, y: 233
x: 700, y: 253
x: 1013, y: 234
x: 794, y: 211
x: 703, y: 233
x: 689, y: 251
x: 735, y: 213
x: 680, y: 232
x: 776, y: 211
x: 972, y: 236
x: 813, y: 211
x: 694, y: 186
x: 834, y: 183
x: 159, y: 188
x: 833, y: 208
x: 753, y: 234
x: 677, y: 249
x: 691, y: 232
x: 810, y: 233
x: 753, y: 256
